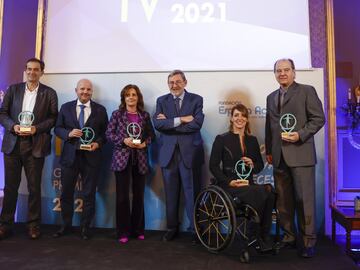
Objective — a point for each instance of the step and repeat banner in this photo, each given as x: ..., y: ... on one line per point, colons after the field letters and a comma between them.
x: 220, y: 90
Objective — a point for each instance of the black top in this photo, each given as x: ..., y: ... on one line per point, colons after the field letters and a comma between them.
x: 226, y: 151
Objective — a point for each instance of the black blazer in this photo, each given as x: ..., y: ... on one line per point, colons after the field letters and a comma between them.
x: 45, y: 112
x: 67, y: 121
x: 226, y: 151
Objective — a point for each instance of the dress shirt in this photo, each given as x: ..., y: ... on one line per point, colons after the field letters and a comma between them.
x: 29, y: 99
x: 87, y: 110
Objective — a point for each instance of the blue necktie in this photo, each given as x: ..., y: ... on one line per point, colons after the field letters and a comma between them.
x: 82, y: 116
x: 177, y: 106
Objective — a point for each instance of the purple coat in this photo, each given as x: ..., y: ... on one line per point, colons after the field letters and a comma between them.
x: 116, y: 133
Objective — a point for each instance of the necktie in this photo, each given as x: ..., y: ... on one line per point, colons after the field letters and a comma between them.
x: 82, y: 116
x: 281, y: 100
x: 177, y: 105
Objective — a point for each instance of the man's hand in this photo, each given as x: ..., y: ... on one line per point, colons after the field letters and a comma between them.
x: 24, y: 133
x: 291, y: 137
x: 161, y: 116
x: 75, y: 133
x: 186, y: 119
x: 269, y: 159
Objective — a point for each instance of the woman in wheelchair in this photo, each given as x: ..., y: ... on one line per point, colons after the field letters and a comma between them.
x: 230, y: 148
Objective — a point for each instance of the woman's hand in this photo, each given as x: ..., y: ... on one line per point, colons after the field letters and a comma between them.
x: 248, y: 161
x: 236, y: 183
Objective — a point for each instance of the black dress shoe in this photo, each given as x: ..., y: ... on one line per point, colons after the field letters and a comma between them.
x: 308, y: 252
x: 5, y: 232
x: 170, y: 235
x: 287, y: 245
x: 64, y: 230
x: 85, y: 233
x: 265, y: 244
x: 34, y: 232
x: 194, y: 239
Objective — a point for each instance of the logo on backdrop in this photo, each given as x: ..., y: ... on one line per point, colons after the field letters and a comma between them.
x: 225, y: 106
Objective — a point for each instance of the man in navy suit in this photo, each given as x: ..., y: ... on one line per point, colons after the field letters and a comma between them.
x: 26, y: 148
x: 73, y: 117
x: 179, y: 118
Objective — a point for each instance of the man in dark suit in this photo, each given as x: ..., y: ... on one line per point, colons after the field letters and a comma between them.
x: 179, y: 118
x: 73, y: 117
x: 26, y: 147
x: 293, y: 156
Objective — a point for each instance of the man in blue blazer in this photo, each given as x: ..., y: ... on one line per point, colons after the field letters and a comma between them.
x: 179, y: 118
x: 26, y: 148
x: 73, y: 117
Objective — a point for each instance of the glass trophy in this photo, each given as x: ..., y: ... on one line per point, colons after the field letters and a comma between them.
x: 88, y: 135
x: 287, y: 124
x: 134, y: 131
x: 243, y: 171
x: 26, y: 118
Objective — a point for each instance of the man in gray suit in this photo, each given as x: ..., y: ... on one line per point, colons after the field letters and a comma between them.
x: 293, y: 156
x: 26, y: 147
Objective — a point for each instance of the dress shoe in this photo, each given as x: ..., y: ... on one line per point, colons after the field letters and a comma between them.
x: 170, y: 235
x: 265, y: 244
x: 64, y: 230
x: 141, y: 237
x: 123, y: 240
x: 5, y: 232
x: 34, y: 232
x: 85, y: 233
x: 308, y: 252
x: 194, y: 239
x: 287, y: 245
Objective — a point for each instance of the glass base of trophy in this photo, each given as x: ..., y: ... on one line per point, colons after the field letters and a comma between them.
x: 25, y: 129
x: 285, y: 135
x: 243, y: 181
x: 136, y: 141
x: 86, y: 147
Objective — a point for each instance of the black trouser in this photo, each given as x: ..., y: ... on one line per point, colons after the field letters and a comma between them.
x: 69, y: 176
x: 21, y: 157
x: 130, y: 221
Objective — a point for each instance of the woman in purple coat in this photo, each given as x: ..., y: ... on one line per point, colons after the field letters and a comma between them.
x: 131, y: 131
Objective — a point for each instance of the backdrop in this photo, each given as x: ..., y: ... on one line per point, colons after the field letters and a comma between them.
x: 221, y: 90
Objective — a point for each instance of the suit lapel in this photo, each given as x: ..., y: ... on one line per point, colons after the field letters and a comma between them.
x: 73, y: 114
x: 290, y: 93
x: 22, y: 93
x: 92, y: 114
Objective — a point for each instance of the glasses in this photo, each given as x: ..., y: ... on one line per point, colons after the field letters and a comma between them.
x: 285, y: 70
x: 175, y: 82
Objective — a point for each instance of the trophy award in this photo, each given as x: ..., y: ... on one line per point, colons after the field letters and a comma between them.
x: 26, y: 118
x: 134, y: 131
x: 287, y: 124
x: 88, y: 135
x: 243, y: 171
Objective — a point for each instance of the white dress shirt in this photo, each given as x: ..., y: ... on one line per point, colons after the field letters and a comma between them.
x: 87, y: 110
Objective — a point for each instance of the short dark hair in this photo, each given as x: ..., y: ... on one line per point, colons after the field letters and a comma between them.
x: 292, y: 64
x: 125, y: 90
x: 42, y: 64
x: 177, y: 72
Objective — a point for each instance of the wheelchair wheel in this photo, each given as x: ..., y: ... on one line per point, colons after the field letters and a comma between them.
x: 214, y: 219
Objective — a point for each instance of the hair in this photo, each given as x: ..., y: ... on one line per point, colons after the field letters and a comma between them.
x: 125, y: 90
x: 244, y: 111
x: 42, y: 64
x: 177, y: 72
x: 285, y: 59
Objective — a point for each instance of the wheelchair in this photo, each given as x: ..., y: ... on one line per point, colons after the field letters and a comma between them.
x: 219, y: 218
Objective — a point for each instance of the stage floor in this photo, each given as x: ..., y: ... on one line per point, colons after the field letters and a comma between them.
x: 103, y: 252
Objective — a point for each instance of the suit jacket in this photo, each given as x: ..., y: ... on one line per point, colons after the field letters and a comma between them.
x: 45, y: 112
x: 116, y: 132
x: 226, y: 151
x: 67, y: 121
x: 303, y: 102
x: 186, y: 136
